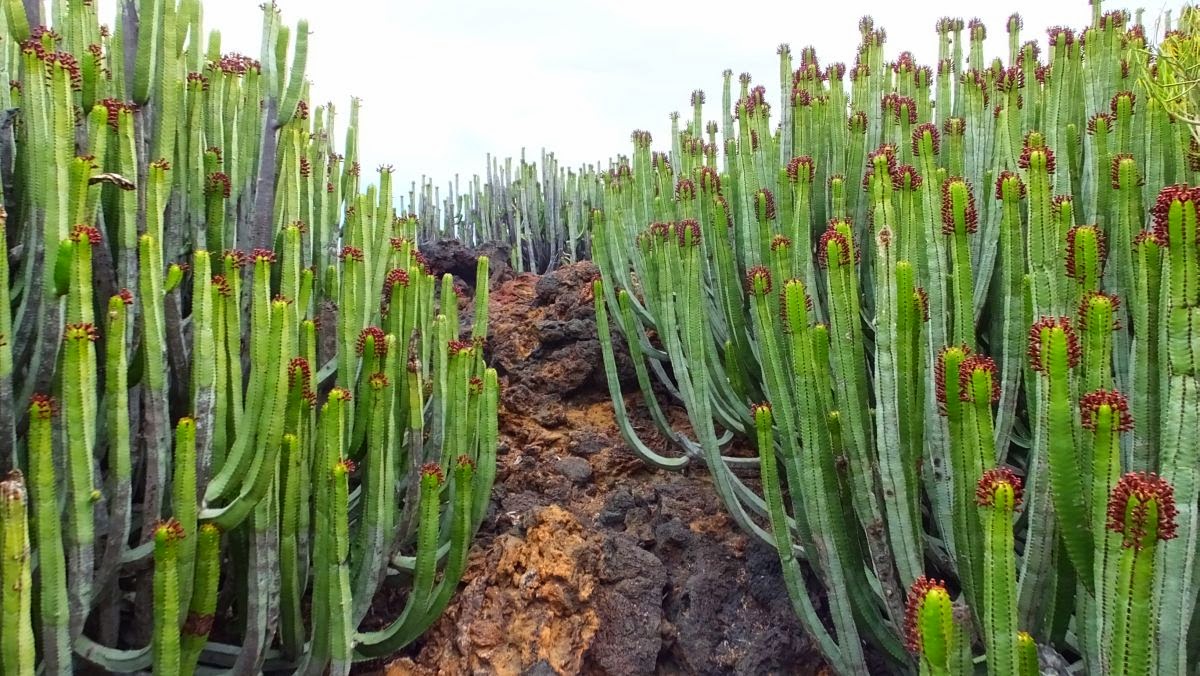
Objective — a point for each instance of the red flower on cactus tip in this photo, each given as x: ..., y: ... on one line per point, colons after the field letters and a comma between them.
x: 1173, y: 196
x: 84, y: 331
x: 168, y: 531
x: 801, y: 167
x: 1096, y: 300
x: 217, y: 185
x: 954, y: 126
x: 1130, y: 504
x: 83, y: 232
x: 378, y: 381
x: 378, y: 341
x: 394, y: 277
x: 907, y: 177
x: 953, y: 190
x: 1148, y: 238
x: 780, y: 242
x: 344, y: 466
x: 957, y: 353
x: 1073, y: 242
x: 831, y: 238
x: 461, y: 347
x: 434, y: 471
x: 1060, y: 34
x: 262, y: 256
x: 1099, y: 120
x: 687, y: 232
x: 475, y: 385
x: 1116, y: 404
x: 1124, y: 161
x: 924, y: 590
x: 918, y: 137
x: 1009, y: 178
x: 299, y: 367
x: 350, y: 253
x: 970, y: 367
x: 758, y: 280
x: 1121, y: 99
x: 1042, y: 331
x: 921, y: 297
x: 1042, y: 154
x: 685, y: 190
x: 340, y: 394
x: 857, y: 122
x: 710, y: 180
x: 994, y: 480
x: 236, y: 258
x: 42, y: 407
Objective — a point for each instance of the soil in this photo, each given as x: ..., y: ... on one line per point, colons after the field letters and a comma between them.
x: 591, y: 562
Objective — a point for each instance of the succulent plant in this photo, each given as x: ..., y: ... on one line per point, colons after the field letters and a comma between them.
x: 178, y: 438
x: 948, y: 372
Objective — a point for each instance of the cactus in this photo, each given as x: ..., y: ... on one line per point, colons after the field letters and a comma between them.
x: 911, y: 349
x: 16, y: 573
x: 187, y: 446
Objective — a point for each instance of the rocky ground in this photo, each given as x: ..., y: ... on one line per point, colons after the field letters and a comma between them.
x: 590, y: 562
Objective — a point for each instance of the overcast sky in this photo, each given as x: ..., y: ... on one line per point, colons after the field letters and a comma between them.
x: 444, y: 82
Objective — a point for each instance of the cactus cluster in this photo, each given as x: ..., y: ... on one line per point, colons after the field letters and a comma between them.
x: 954, y: 309
x: 235, y: 401
x: 539, y: 211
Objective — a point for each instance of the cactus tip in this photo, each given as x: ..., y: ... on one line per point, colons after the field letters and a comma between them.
x: 1129, y: 508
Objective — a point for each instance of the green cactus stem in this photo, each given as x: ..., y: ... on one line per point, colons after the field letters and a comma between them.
x: 167, y: 536
x: 1141, y: 510
x: 1053, y: 352
x: 1177, y: 225
x: 51, y: 573
x: 999, y: 496
x: 198, y: 621
x: 17, y: 654
x: 934, y: 631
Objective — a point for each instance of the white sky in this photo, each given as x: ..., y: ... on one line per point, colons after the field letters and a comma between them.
x: 444, y: 82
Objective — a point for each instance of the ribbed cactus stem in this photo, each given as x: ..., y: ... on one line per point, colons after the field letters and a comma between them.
x: 1177, y: 225
x: 838, y: 255
x: 1054, y: 352
x: 17, y: 654
x: 80, y: 362
x: 198, y: 621
x: 1145, y: 360
x: 1044, y: 242
x: 1104, y: 414
x: 117, y: 416
x: 959, y: 219
x: 1010, y: 190
x: 156, y: 431
x: 1027, y: 655
x: 184, y: 508
x: 8, y: 458
x: 955, y: 384
x: 931, y: 628
x: 999, y: 496
x: 340, y: 628
x: 165, y: 641
x: 51, y: 578
x: 1142, y: 510
x: 847, y: 655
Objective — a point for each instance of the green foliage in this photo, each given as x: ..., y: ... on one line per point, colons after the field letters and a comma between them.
x: 229, y: 386
x: 973, y: 414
